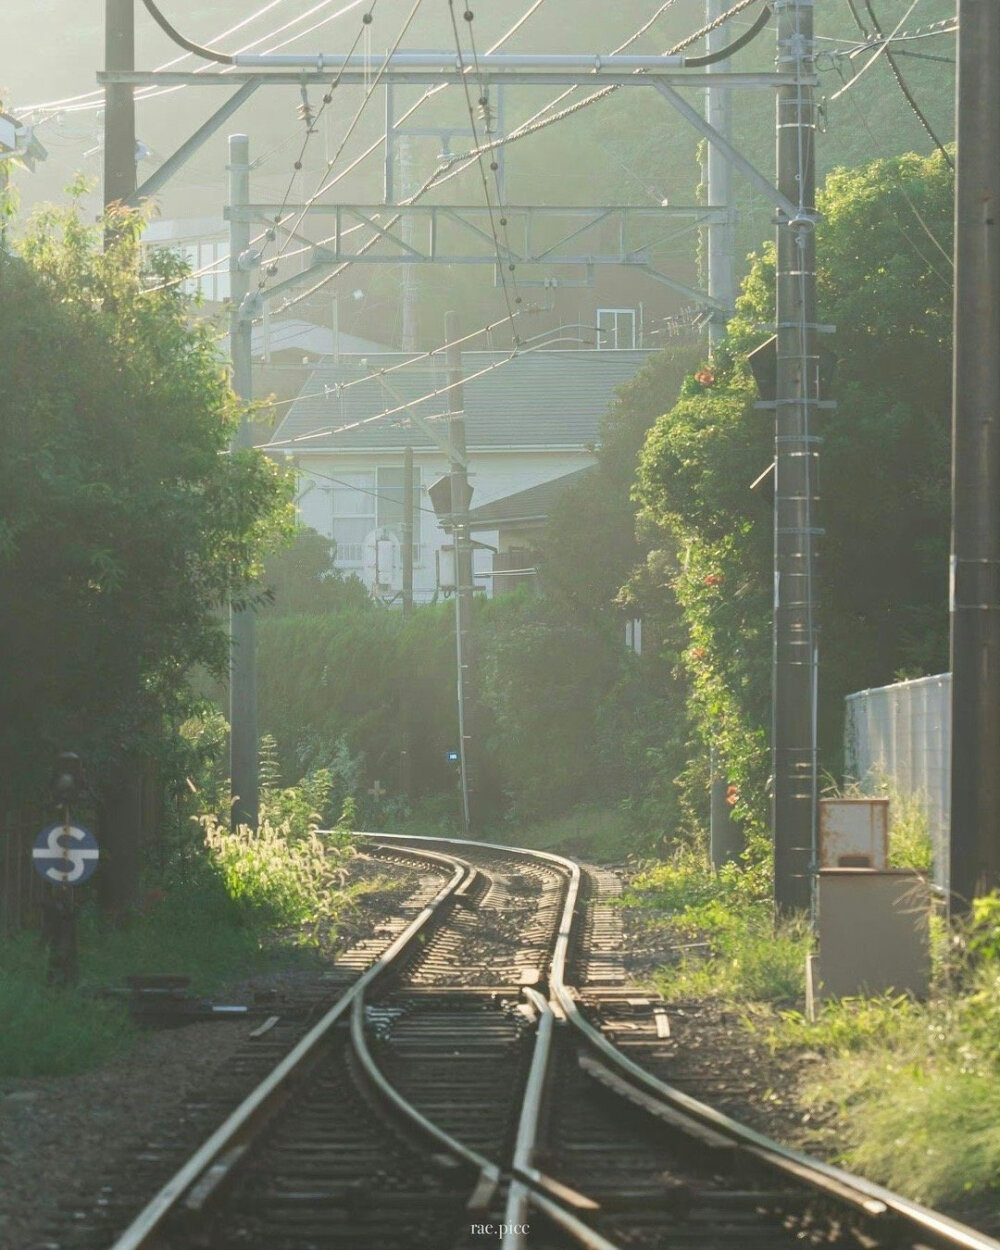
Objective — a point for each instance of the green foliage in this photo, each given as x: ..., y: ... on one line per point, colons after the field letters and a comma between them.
x: 126, y: 522
x: 983, y: 938
x: 278, y: 873
x: 723, y: 924
x: 914, y: 1084
x: 301, y: 578
x: 48, y: 1031
x: 885, y: 476
x: 594, y: 833
x: 347, y: 691
x: 843, y: 1026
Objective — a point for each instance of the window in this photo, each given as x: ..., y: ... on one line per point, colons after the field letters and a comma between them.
x: 363, y: 502
x: 353, y: 516
x: 390, y: 502
x: 209, y: 261
x: 616, y: 328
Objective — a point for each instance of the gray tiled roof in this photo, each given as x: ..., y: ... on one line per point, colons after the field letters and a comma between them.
x: 539, y: 399
x: 526, y: 505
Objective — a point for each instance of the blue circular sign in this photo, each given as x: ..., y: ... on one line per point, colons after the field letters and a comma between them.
x: 65, y: 854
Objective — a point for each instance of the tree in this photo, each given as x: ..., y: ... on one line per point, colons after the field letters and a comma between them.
x: 127, y: 521
x: 301, y: 577
x: 882, y: 247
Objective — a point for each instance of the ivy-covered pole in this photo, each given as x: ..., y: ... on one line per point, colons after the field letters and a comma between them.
x: 243, y: 750
x: 975, y: 549
x: 793, y: 737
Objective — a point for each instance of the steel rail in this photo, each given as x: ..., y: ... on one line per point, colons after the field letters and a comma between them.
x: 214, y: 1159
x: 527, y: 1183
x: 874, y: 1201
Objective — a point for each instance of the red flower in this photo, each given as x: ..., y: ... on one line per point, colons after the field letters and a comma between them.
x: 705, y: 376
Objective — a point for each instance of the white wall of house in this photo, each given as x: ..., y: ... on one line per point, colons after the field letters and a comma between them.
x: 355, y: 497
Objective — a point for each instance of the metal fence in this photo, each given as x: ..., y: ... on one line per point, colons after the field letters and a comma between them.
x: 21, y: 888
x: 902, y: 734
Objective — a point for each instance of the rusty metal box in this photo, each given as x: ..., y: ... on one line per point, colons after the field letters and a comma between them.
x: 854, y: 833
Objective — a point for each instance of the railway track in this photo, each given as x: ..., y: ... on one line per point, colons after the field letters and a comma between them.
x: 462, y: 1091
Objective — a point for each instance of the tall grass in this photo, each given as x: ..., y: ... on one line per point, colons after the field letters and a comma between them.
x: 723, y: 925
x: 46, y: 1031
x: 916, y: 1085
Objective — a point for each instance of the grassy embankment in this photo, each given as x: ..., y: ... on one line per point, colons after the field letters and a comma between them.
x: 916, y: 1086
x: 233, y: 905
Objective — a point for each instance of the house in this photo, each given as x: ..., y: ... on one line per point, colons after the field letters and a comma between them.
x: 518, y: 521
x: 530, y: 419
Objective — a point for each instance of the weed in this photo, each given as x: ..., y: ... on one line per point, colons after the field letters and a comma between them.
x: 49, y: 1031
x: 281, y: 875
x: 746, y: 957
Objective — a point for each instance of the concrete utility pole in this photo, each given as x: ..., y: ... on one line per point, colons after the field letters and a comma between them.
x: 243, y: 763
x: 975, y: 546
x: 718, y: 184
x: 725, y: 836
x: 408, y: 340
x: 119, y: 105
x: 406, y: 553
x: 458, y: 472
x: 793, y: 736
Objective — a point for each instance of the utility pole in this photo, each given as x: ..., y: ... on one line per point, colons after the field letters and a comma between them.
x: 406, y: 552
x: 718, y: 183
x: 793, y: 735
x: 243, y: 763
x: 458, y: 473
x: 119, y: 105
x: 407, y: 531
x: 975, y: 544
x: 725, y: 837
x: 408, y: 340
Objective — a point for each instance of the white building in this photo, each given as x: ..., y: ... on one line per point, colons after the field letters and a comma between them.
x: 529, y: 420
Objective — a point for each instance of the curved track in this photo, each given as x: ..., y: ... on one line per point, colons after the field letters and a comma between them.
x: 472, y: 1100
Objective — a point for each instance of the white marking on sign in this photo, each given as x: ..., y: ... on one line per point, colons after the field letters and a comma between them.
x: 71, y: 862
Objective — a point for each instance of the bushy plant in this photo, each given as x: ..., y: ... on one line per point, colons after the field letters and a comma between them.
x: 280, y: 873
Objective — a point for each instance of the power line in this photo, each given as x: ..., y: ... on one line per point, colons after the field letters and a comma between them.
x: 157, y: 92
x: 908, y: 95
x: 484, y: 101
x: 445, y: 172
x: 883, y: 47
x: 391, y: 412
x: 379, y: 374
x: 327, y: 98
x: 217, y: 265
x: 90, y: 95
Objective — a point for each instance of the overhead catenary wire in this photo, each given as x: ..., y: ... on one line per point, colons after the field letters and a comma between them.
x: 153, y: 92
x: 882, y: 48
x: 907, y: 93
x: 352, y: 126
x: 446, y: 171
x: 216, y: 265
x: 392, y: 412
x: 98, y: 92
x: 418, y: 359
x: 949, y: 260
x: 501, y: 266
x: 441, y: 174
